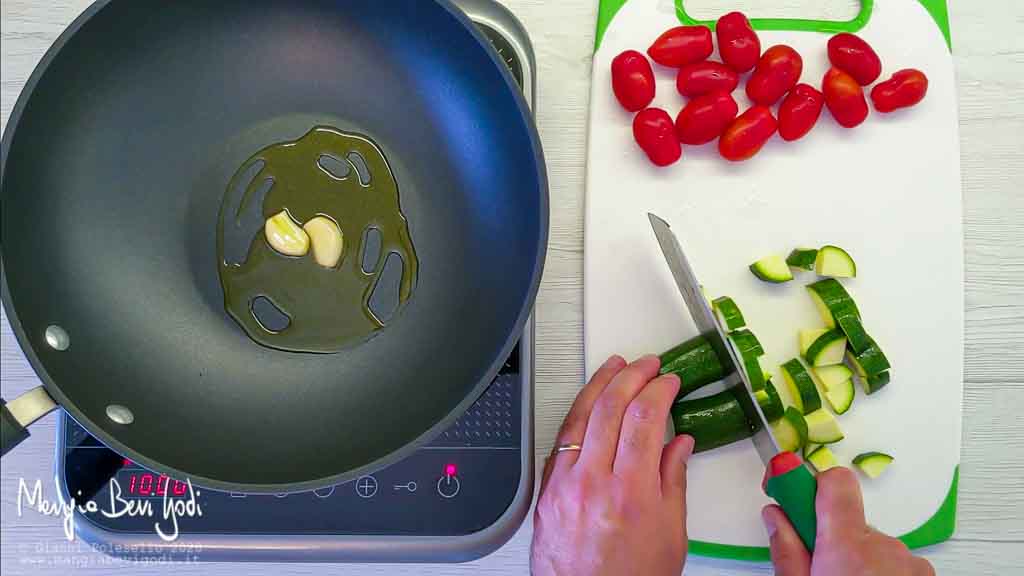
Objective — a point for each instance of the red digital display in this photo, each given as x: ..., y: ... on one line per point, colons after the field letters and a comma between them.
x: 149, y: 484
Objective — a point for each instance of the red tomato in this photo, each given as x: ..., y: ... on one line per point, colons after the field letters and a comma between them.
x: 747, y: 134
x: 799, y: 112
x: 702, y: 78
x: 777, y: 72
x: 844, y: 98
x: 633, y: 80
x: 656, y: 135
x: 705, y: 118
x: 853, y: 55
x: 681, y: 46
x: 905, y: 89
x: 737, y: 42
x: 782, y: 463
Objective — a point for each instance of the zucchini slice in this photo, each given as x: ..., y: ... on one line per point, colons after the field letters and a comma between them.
x: 802, y: 389
x: 807, y: 337
x: 840, y: 396
x: 770, y: 402
x: 728, y: 314
x: 872, y: 384
x: 851, y: 325
x: 835, y: 262
x: 832, y: 376
x: 822, y: 459
x: 790, y: 431
x: 772, y: 269
x: 822, y: 427
x: 713, y: 421
x: 746, y: 344
x: 873, y: 463
x: 750, y: 351
x: 831, y: 300
x: 802, y: 258
x: 870, y: 362
x: 810, y: 448
x: 827, y: 349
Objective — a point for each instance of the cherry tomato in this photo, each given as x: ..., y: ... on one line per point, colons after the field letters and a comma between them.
x: 633, y: 80
x: 656, y: 135
x: 702, y: 78
x: 681, y: 46
x: 705, y: 118
x: 777, y: 72
x: 853, y: 55
x: 737, y: 42
x: 844, y: 98
x: 905, y: 89
x: 747, y: 134
x: 799, y: 112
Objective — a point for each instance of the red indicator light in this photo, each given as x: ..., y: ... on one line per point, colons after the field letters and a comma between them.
x: 450, y: 470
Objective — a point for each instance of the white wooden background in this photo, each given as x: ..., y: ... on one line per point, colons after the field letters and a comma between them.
x: 989, y: 53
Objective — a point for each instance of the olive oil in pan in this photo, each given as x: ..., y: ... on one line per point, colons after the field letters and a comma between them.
x: 338, y: 175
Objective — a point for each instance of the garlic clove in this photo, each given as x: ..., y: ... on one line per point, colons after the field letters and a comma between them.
x: 327, y: 240
x: 285, y: 236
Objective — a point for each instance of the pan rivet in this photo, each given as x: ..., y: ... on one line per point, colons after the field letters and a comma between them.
x: 120, y: 415
x: 57, y: 338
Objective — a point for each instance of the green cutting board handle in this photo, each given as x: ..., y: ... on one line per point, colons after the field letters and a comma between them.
x: 796, y: 24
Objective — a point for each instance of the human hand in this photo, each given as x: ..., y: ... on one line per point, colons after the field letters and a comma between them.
x: 618, y: 506
x: 845, y: 544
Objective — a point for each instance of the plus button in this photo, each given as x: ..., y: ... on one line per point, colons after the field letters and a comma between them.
x: 366, y: 487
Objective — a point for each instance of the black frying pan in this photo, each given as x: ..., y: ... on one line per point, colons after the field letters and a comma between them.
x: 116, y: 160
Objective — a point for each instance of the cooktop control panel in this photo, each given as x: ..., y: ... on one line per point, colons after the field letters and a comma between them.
x: 460, y: 483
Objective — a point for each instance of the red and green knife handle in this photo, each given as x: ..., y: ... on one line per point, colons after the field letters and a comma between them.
x: 795, y: 492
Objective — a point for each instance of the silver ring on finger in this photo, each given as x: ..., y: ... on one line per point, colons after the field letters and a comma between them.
x: 568, y: 448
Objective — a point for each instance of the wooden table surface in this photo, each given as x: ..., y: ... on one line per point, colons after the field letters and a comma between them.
x: 989, y: 53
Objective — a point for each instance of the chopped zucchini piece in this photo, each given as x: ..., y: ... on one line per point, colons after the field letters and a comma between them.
x: 835, y: 262
x: 802, y: 258
x: 851, y: 325
x: 822, y: 427
x: 790, y: 431
x: 832, y: 376
x: 831, y: 298
x: 802, y: 389
x: 822, y: 459
x: 873, y: 463
x: 827, y: 350
x: 872, y: 384
x: 728, y: 314
x: 770, y: 402
x: 772, y: 269
x: 746, y: 344
x: 807, y: 337
x: 810, y: 448
x: 870, y: 362
x: 840, y: 396
x: 766, y: 367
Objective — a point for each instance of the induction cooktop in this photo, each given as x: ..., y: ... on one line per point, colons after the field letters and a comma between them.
x: 457, y: 498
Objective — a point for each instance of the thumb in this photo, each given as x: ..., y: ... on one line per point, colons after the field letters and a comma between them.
x: 789, y: 555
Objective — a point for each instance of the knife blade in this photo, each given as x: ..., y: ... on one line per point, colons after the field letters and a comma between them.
x: 794, y: 487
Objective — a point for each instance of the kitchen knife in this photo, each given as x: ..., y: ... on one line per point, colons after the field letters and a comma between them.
x: 787, y: 479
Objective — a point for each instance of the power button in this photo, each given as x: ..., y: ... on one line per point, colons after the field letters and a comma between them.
x: 448, y: 486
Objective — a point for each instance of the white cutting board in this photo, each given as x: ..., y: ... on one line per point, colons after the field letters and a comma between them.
x: 888, y: 191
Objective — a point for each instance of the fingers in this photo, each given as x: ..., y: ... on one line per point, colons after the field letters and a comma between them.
x: 673, y: 471
x: 642, y: 437
x: 788, y: 553
x: 574, y: 428
x: 602, y: 437
x: 921, y: 567
x: 840, y: 507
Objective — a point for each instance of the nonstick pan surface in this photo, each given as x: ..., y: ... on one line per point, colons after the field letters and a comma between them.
x: 116, y: 162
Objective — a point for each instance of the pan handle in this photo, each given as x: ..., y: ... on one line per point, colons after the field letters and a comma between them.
x: 16, y: 417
